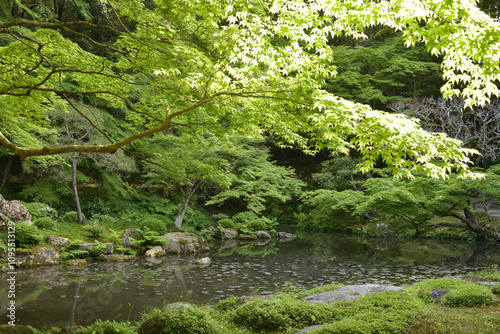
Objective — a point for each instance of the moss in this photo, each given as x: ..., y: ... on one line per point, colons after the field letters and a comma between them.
x: 189, y: 320
x: 77, y: 263
x: 424, y: 288
x: 469, y: 296
x: 183, y: 241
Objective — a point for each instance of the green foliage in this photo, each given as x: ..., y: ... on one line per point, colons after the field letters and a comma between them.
x: 45, y: 223
x: 70, y: 217
x: 495, y: 289
x: 469, y: 296
x: 339, y: 173
x: 47, y: 190
x: 107, y: 327
x: 189, y: 320
x: 155, y: 225
x: 226, y: 305
x: 225, y: 223
x: 282, y: 314
x: 94, y: 229
x: 26, y: 235
x: 39, y: 210
x: 385, y: 312
x: 424, y: 288
x: 71, y: 254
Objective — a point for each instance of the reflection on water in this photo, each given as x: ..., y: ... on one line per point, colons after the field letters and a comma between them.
x: 61, y: 296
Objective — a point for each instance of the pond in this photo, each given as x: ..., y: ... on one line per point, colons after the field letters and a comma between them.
x: 62, y: 296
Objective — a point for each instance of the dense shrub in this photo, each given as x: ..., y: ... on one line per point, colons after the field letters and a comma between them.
x: 40, y: 210
x: 424, y: 288
x: 45, y: 223
x: 70, y: 217
x: 471, y: 295
x: 94, y: 230
x: 496, y: 289
x: 245, y: 217
x: 185, y: 320
x: 225, y: 223
x: 26, y: 235
x: 155, y: 225
x: 282, y: 314
x: 385, y: 312
x: 106, y: 327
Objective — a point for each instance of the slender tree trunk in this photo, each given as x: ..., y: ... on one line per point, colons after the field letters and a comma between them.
x: 7, y: 170
x: 186, y: 197
x: 75, y: 189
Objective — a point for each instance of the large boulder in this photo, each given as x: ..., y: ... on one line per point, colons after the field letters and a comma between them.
x: 57, y: 241
x: 227, y: 234
x: 285, y: 236
x: 350, y: 292
x: 13, y: 211
x: 155, y: 251
x: 181, y: 242
x: 130, y: 233
x: 38, y: 256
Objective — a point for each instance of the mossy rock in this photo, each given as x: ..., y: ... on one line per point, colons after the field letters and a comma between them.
x: 469, y: 296
x: 424, y: 288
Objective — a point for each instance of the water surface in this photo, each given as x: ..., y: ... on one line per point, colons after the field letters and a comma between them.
x: 63, y: 296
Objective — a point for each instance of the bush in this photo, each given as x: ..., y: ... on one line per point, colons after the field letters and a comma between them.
x: 186, y: 320
x: 245, y: 217
x: 496, y: 289
x: 94, y: 230
x: 26, y: 235
x: 70, y: 217
x: 45, y: 223
x: 225, y: 223
x: 155, y: 225
x: 282, y: 314
x: 384, y: 312
x: 469, y: 296
x: 106, y: 327
x: 424, y: 288
x: 40, y: 210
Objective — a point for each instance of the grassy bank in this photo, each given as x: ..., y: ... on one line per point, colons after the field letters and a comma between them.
x: 467, y: 308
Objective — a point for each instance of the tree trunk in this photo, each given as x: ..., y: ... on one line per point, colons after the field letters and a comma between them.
x: 75, y: 189
x: 7, y: 170
x: 186, y: 196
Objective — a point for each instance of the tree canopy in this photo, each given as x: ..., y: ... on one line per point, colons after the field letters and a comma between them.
x: 235, y: 66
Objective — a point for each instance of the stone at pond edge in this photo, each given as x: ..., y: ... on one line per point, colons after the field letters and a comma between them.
x: 13, y: 210
x: 89, y: 246
x: 438, y: 294
x: 57, y: 241
x: 155, y: 251
x: 285, y: 236
x: 263, y: 235
x: 39, y: 256
x: 350, y: 292
x: 181, y: 242
x: 204, y: 261
x: 130, y: 233
x: 77, y: 263
x: 227, y: 234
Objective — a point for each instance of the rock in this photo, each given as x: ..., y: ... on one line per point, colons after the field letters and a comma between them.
x: 181, y: 242
x: 438, y: 294
x: 93, y: 251
x: 350, y: 292
x: 17, y: 329
x: 13, y: 211
x: 285, y: 236
x: 208, y: 230
x: 246, y: 237
x: 204, y: 261
x: 309, y: 329
x: 263, y: 235
x: 130, y: 233
x: 39, y: 256
x: 228, y: 234
x: 155, y: 251
x: 115, y: 257
x: 57, y: 241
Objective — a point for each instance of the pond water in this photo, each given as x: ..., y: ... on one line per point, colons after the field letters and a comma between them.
x: 62, y: 296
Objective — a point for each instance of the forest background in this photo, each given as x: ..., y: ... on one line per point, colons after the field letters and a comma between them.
x: 212, y: 124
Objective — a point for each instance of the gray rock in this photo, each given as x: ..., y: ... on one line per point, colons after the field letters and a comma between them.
x: 130, y: 233
x: 41, y: 256
x: 155, y: 251
x: 285, y: 236
x: 13, y: 211
x: 176, y: 305
x: 263, y: 235
x: 228, y: 234
x: 115, y: 257
x: 89, y: 246
x: 350, y: 292
x: 204, y: 261
x: 309, y: 329
x: 57, y: 241
x: 181, y: 243
x: 438, y: 294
